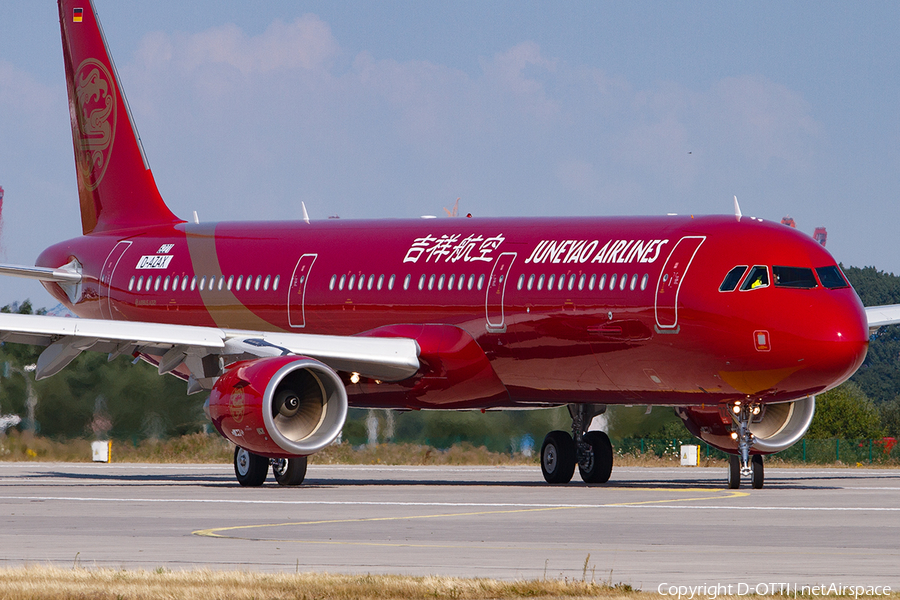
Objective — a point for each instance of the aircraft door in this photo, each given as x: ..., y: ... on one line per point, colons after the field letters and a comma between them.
x: 496, y: 290
x: 671, y: 278
x: 106, y: 278
x: 297, y: 292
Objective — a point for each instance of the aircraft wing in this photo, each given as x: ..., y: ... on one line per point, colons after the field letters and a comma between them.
x: 879, y: 316
x: 387, y: 359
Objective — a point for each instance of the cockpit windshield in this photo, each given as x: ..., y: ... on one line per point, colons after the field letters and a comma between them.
x: 832, y: 278
x: 794, y: 277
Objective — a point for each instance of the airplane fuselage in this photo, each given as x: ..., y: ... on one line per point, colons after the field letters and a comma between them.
x: 599, y: 310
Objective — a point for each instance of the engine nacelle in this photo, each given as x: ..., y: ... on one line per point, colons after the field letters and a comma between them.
x: 776, y: 427
x: 279, y: 407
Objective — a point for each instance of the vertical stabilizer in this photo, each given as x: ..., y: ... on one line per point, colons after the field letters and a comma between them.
x: 116, y: 189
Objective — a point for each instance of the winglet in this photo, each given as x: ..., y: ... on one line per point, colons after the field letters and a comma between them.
x: 737, y: 210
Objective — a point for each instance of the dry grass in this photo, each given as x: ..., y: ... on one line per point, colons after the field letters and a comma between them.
x: 53, y: 583
x: 213, y: 449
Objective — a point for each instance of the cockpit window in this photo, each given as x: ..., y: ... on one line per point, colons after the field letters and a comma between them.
x: 794, y: 277
x: 732, y: 279
x: 831, y: 277
x: 758, y: 278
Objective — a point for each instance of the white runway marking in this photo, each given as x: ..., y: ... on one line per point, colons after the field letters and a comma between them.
x: 454, y: 504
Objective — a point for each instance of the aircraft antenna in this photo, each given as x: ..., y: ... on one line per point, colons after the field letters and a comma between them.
x: 305, y: 214
x: 737, y: 209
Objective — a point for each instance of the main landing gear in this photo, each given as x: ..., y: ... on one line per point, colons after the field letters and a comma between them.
x: 590, y: 450
x: 251, y: 469
x: 743, y: 464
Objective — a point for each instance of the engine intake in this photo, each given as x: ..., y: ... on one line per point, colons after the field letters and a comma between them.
x: 777, y: 427
x: 279, y: 406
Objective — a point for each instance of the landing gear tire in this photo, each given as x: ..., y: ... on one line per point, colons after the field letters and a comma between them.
x: 250, y: 469
x: 289, y: 471
x: 734, y: 472
x: 597, y: 466
x: 758, y: 477
x: 558, y: 457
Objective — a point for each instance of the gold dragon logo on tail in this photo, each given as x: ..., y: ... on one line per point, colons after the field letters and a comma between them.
x: 95, y: 106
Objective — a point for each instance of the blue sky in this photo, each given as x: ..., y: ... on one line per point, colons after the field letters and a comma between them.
x: 395, y: 109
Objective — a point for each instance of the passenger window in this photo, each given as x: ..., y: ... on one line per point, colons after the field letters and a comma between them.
x: 202, y: 282
x: 275, y: 283
x: 794, y: 277
x: 175, y: 283
x: 362, y: 282
x: 450, y: 281
x: 644, y: 280
x: 612, y: 282
x: 633, y: 282
x: 550, y: 279
x: 240, y: 280
x: 622, y: 281
x: 166, y: 283
x: 521, y: 283
x: 471, y: 282
x: 184, y: 281
x: 193, y: 283
x: 481, y: 281
x: 422, y: 282
x: 406, y: 282
x: 732, y: 279
x: 831, y: 277
x: 231, y: 282
x: 131, y: 284
x: 758, y: 278
x: 571, y: 285
x: 332, y: 282
x: 460, y: 282
x: 561, y: 283
x: 581, y: 281
x: 541, y: 282
x: 431, y: 282
x: 371, y: 282
x: 391, y: 282
x: 265, y: 283
x: 441, y: 282
x: 602, y: 284
x: 380, y: 282
x: 256, y: 284
x: 140, y: 283
x: 351, y: 282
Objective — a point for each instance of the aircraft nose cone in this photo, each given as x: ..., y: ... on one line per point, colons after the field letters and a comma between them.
x: 845, y: 340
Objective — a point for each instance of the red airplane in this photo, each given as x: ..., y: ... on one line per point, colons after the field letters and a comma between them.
x: 735, y: 322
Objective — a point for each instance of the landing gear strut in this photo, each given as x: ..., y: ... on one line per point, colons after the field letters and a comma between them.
x: 590, y: 450
x: 742, y: 464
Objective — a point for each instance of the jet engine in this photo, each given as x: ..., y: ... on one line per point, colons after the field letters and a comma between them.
x: 774, y: 428
x: 279, y: 407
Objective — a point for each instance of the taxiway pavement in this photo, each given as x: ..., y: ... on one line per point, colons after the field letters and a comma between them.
x: 646, y: 527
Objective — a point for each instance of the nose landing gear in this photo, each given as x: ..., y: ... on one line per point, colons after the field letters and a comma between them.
x: 743, y: 464
x: 590, y: 450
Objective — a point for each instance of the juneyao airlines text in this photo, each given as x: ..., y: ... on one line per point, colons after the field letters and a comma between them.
x: 581, y: 251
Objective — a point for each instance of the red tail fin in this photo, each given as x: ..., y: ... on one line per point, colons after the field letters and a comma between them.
x: 115, y: 186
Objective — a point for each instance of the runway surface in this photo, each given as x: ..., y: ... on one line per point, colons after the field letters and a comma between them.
x: 648, y: 526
